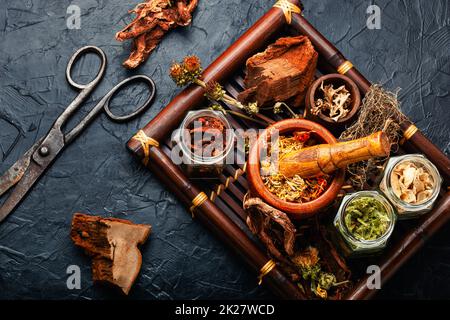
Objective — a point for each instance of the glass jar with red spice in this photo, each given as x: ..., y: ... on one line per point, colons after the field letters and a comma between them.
x: 205, y: 143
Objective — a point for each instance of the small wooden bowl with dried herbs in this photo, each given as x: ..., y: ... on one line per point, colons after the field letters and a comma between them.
x: 332, y: 100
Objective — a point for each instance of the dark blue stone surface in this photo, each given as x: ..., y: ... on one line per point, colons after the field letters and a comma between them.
x: 97, y: 175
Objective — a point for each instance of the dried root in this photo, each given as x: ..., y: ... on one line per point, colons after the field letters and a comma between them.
x: 380, y: 111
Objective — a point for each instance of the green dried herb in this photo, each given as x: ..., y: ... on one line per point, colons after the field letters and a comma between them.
x: 327, y: 280
x: 366, y: 218
x: 214, y: 91
x: 311, y: 272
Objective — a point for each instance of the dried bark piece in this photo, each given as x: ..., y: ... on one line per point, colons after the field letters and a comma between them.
x: 154, y: 19
x: 282, y: 73
x: 112, y: 243
x: 264, y: 220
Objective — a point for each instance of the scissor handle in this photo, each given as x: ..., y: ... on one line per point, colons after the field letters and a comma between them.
x: 103, y: 105
x: 138, y: 78
x: 80, y: 52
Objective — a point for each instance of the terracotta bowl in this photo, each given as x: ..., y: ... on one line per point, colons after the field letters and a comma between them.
x: 257, y: 187
x: 314, y: 93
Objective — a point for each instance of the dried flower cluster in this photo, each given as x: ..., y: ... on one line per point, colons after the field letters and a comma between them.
x: 412, y: 183
x: 214, y: 91
x: 309, y: 266
x: 186, y: 72
x: 189, y: 71
x: 334, y: 104
x: 366, y: 218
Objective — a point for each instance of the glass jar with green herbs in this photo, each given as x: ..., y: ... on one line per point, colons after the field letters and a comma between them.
x: 365, y: 221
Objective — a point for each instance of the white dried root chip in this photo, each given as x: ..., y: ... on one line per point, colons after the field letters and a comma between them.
x: 408, y: 196
x: 424, y: 195
x: 408, y: 176
x: 411, y: 183
x: 395, y: 182
x: 419, y: 186
x: 400, y: 167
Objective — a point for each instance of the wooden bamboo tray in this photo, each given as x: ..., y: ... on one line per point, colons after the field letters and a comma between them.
x: 219, y: 206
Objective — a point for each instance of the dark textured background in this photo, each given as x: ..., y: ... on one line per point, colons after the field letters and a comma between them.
x: 97, y: 175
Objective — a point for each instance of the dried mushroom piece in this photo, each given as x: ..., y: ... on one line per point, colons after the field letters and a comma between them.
x: 412, y: 183
x: 113, y: 245
x: 334, y: 104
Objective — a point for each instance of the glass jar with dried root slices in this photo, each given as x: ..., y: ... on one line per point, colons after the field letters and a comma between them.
x: 411, y: 183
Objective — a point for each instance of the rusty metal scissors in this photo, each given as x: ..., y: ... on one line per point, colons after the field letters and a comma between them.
x: 27, y: 170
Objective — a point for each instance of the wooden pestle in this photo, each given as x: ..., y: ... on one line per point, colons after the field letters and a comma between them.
x: 326, y: 158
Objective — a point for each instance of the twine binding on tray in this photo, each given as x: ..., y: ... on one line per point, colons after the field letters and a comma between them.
x: 409, y: 132
x: 197, y: 201
x: 412, y: 129
x: 288, y: 9
x: 146, y: 143
x: 345, y: 67
x: 265, y: 269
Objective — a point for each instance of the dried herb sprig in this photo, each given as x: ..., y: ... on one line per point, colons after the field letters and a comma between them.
x: 189, y: 71
x: 309, y: 266
x: 218, y: 107
x: 278, y: 108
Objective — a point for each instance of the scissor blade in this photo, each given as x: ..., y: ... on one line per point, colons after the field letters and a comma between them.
x: 18, y: 169
x: 23, y: 186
